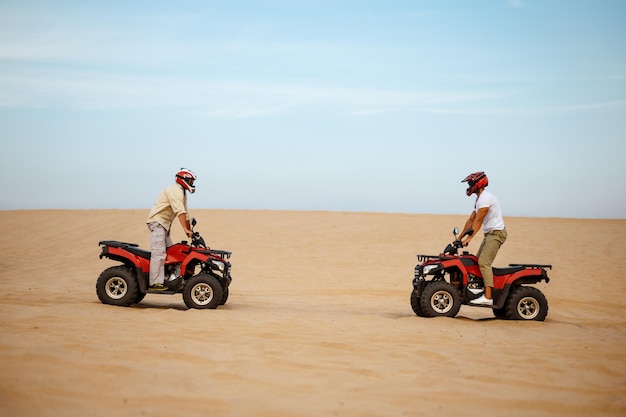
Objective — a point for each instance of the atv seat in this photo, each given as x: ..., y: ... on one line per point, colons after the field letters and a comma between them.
x: 139, y: 252
x: 130, y: 247
x: 508, y: 270
x: 116, y: 243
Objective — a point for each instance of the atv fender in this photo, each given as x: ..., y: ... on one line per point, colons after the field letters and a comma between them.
x: 194, y: 258
x: 133, y: 262
x: 500, y: 295
x: 528, y: 275
x: 142, y: 280
x: 418, y: 286
x: 121, y: 255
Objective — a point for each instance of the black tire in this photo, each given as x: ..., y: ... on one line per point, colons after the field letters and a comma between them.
x: 526, y: 303
x: 440, y: 299
x: 202, y: 291
x: 499, y: 312
x: 415, y: 303
x: 117, y: 286
x: 224, y: 296
x: 140, y: 296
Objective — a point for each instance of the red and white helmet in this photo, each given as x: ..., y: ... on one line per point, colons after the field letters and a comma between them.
x: 475, y: 182
x: 186, y: 178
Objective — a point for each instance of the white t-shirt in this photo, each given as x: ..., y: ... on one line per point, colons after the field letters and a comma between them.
x: 493, y: 220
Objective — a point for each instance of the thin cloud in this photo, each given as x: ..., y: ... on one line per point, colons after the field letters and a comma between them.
x: 521, y: 111
x: 590, y: 106
x: 518, y: 4
x: 225, y: 99
x: 233, y: 99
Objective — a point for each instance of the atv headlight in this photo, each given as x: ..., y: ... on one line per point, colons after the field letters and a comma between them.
x: 428, y: 268
x: 220, y: 265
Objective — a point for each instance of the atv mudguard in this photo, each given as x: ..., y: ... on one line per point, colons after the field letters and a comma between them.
x: 128, y: 254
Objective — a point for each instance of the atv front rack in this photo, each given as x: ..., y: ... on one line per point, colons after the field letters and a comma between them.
x: 424, y: 258
x: 224, y: 253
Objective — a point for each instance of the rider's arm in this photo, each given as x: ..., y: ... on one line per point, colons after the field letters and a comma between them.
x: 477, y: 223
x: 469, y: 223
x: 185, y: 223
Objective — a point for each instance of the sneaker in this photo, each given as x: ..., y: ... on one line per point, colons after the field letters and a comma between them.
x: 482, y: 300
x: 158, y: 287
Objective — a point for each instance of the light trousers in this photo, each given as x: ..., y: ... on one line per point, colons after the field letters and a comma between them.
x: 160, y: 240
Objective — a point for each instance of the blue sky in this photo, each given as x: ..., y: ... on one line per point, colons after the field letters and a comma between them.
x: 380, y: 106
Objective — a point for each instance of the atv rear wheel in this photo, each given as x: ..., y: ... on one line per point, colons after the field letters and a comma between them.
x: 202, y: 291
x: 526, y: 303
x: 440, y: 299
x: 117, y: 286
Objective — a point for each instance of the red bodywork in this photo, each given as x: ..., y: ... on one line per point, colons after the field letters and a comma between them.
x: 467, y: 265
x: 179, y: 253
x: 463, y: 271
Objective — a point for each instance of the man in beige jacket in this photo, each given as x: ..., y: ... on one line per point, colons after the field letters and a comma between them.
x: 171, y: 203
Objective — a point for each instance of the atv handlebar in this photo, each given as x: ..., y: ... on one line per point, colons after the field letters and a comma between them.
x: 453, y: 248
x: 197, y: 240
x: 457, y: 239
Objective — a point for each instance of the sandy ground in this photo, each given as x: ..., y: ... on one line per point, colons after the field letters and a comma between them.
x: 318, y: 322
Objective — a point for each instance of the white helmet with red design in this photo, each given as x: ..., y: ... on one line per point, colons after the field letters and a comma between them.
x: 186, y: 179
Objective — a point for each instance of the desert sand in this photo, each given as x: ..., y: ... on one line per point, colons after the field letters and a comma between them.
x: 318, y: 322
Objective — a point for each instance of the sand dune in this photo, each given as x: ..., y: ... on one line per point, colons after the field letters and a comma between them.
x: 318, y: 322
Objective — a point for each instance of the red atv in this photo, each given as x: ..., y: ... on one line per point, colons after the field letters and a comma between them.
x: 445, y: 281
x: 201, y: 274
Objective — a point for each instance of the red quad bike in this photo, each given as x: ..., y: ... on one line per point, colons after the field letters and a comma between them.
x: 445, y: 281
x: 201, y: 274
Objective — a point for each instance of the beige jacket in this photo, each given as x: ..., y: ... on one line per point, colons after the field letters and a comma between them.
x: 170, y: 204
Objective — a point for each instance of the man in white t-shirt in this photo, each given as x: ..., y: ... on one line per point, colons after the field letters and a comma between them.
x: 488, y: 215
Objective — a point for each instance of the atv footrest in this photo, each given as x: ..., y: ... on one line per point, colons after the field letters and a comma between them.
x: 168, y: 292
x: 531, y: 266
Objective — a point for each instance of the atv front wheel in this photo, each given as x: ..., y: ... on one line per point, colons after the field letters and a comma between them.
x: 500, y: 312
x: 117, y: 286
x: 224, y: 296
x: 202, y: 291
x: 526, y: 303
x: 415, y: 303
x: 440, y: 299
x: 140, y: 296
